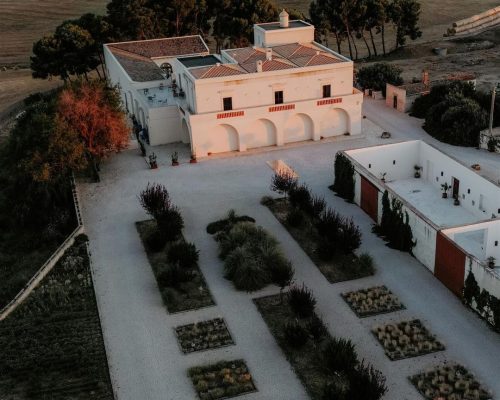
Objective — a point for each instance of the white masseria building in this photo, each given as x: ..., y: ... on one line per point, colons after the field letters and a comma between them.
x: 286, y: 88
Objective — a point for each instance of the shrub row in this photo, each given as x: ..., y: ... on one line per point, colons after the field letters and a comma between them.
x: 252, y: 258
x: 487, y: 305
x: 335, y: 356
x: 337, y: 233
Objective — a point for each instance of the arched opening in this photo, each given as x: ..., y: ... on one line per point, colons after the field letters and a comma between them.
x: 224, y: 138
x: 334, y: 123
x: 298, y: 128
x: 186, y: 137
x: 259, y: 134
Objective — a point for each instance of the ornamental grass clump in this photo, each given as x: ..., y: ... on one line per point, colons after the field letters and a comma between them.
x: 183, y: 254
x: 295, y: 334
x: 339, y: 355
x: 252, y: 258
x: 301, y: 301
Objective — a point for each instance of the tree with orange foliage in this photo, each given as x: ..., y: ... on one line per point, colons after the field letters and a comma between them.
x: 93, y: 111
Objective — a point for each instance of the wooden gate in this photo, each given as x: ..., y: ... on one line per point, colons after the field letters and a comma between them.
x: 369, y: 198
x: 449, y: 267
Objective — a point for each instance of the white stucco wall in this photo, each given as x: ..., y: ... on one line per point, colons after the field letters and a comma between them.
x: 277, y: 37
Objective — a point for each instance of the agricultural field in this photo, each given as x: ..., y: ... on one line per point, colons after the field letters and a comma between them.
x: 52, y: 344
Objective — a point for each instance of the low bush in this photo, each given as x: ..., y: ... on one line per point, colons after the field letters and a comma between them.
x: 366, y: 264
x: 283, y: 182
x: 227, y: 223
x: 365, y: 383
x: 184, y: 254
x: 300, y: 197
x: 155, y: 241
x: 170, y: 224
x: 295, y: 217
x: 173, y: 276
x: 317, y: 328
x: 252, y: 258
x: 318, y: 205
x: 295, y: 334
x: 348, y: 236
x: 301, y: 301
x: 339, y: 355
x: 155, y: 199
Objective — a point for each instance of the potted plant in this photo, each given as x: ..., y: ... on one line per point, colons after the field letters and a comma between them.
x: 417, y: 171
x: 193, y: 157
x: 382, y: 176
x: 445, y: 188
x: 175, y: 159
x: 152, y: 161
x: 491, y: 262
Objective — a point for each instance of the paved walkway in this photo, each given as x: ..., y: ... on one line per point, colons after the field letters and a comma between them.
x: 145, y: 360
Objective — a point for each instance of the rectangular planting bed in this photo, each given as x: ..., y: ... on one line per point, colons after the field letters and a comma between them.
x: 222, y: 380
x: 406, y: 339
x: 372, y: 301
x: 203, y: 335
x: 343, y: 267
x: 185, y: 295
x: 449, y: 382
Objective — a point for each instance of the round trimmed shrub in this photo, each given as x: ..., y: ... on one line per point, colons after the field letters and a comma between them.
x: 173, y: 276
x: 184, y: 254
x: 300, y: 197
x: 295, y: 334
x: 301, y: 301
x: 155, y: 241
x: 244, y: 270
x: 170, y: 224
x: 317, y: 328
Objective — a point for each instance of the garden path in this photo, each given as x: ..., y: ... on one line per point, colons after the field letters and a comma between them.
x: 145, y: 360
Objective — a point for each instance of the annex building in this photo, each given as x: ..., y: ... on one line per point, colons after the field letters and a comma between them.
x: 453, y: 234
x: 286, y: 88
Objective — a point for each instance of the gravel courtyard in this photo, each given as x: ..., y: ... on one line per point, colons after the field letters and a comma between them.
x: 144, y: 356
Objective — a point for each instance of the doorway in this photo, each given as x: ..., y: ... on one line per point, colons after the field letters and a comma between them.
x: 395, y: 102
x: 456, y: 186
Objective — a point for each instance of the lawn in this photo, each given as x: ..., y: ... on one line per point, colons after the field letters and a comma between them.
x: 188, y: 295
x: 342, y: 267
x: 52, y: 344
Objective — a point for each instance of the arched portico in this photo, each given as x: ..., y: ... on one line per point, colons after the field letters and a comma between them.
x: 334, y: 122
x: 260, y: 133
x: 298, y: 127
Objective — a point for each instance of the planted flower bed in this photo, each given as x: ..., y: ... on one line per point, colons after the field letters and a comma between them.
x: 337, y: 267
x: 203, y: 335
x: 222, y: 380
x: 52, y: 344
x: 182, y: 287
x: 449, y: 382
x: 406, y: 339
x: 372, y: 301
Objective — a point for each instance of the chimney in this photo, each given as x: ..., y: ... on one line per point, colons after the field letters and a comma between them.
x: 283, y: 19
x: 425, y: 77
x: 269, y: 54
x: 259, y: 66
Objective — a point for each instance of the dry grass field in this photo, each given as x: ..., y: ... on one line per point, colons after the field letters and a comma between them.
x: 23, y: 22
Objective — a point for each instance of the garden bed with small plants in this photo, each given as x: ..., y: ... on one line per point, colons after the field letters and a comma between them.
x: 222, y: 380
x: 406, y: 339
x: 52, y: 344
x: 336, y: 262
x: 372, y: 301
x: 328, y: 367
x: 252, y: 257
x: 173, y: 260
x: 203, y: 335
x: 449, y: 382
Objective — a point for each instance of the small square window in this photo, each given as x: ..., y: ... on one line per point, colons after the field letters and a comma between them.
x: 498, y: 211
x: 442, y: 173
x: 278, y: 97
x: 228, y: 103
x: 496, y: 242
x: 327, y: 91
x: 393, y: 162
x: 369, y: 165
x: 468, y: 191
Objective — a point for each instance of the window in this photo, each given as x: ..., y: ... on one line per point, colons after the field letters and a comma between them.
x: 327, y: 91
x: 278, y: 97
x: 228, y: 103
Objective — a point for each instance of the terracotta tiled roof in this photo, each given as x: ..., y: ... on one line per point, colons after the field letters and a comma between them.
x: 316, y: 59
x: 294, y: 50
x: 166, y: 47
x: 216, y: 71
x: 268, y: 65
x: 247, y: 54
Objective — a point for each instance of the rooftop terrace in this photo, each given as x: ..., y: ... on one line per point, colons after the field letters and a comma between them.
x: 272, y: 26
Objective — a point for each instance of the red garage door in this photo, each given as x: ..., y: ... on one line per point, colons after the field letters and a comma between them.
x: 369, y: 198
x: 450, y: 264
